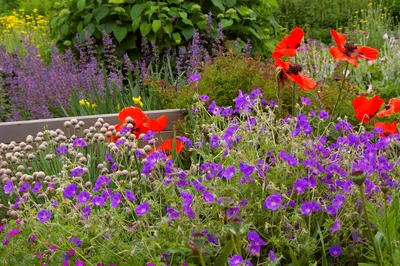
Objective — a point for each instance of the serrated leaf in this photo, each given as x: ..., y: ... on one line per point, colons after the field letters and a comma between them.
x: 219, y: 4
x: 120, y: 33
x: 136, y: 23
x: 226, y: 23
x: 81, y: 4
x: 136, y: 11
x: 156, y: 25
x: 145, y: 29
x: 168, y: 29
x: 100, y: 13
x: 225, y: 254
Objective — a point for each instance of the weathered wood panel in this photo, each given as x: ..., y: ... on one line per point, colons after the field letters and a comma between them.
x: 18, y: 130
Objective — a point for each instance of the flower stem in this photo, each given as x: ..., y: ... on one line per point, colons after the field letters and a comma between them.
x: 340, y: 90
x: 202, y: 263
x: 371, y: 238
x: 294, y: 100
x: 387, y: 230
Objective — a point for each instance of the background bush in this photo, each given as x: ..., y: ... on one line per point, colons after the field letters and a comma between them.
x: 164, y: 23
x: 317, y: 17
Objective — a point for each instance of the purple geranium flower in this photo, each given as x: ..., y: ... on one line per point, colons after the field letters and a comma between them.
x: 236, y: 260
x: 142, y: 209
x: 306, y: 101
x: 70, y: 191
x: 129, y: 195
x: 335, y: 227
x: 204, y: 98
x: 8, y: 187
x: 77, y: 172
x: 272, y: 256
x: 37, y: 187
x: 115, y: 200
x: 273, y: 202
x: 173, y: 214
x: 44, y: 216
x: 98, y: 200
x: 335, y: 251
x: 83, y: 197
x: 194, y: 78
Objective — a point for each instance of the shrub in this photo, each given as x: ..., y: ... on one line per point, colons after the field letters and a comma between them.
x: 317, y: 17
x: 165, y: 23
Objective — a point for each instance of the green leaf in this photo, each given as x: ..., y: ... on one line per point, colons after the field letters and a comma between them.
x: 273, y: 3
x: 321, y: 237
x: 81, y: 4
x: 88, y: 18
x: 187, y: 21
x: 136, y: 11
x: 218, y: 3
x: 145, y: 29
x: 201, y: 25
x: 168, y: 29
x: 64, y: 29
x: 100, y: 13
x: 177, y: 37
x: 136, y: 23
x: 226, y: 23
x: 156, y: 25
x: 254, y: 32
x: 245, y: 11
x: 120, y: 33
x: 188, y: 33
x: 183, y: 15
x: 230, y: 3
x: 225, y: 254
x: 90, y: 29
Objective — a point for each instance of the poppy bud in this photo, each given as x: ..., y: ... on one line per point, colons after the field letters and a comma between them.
x: 359, y: 180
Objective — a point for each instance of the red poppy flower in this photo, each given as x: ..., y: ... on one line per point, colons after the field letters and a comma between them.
x: 392, y: 107
x: 365, y: 108
x: 388, y: 128
x: 158, y: 124
x: 137, y: 117
x: 167, y: 145
x: 292, y: 72
x: 289, y: 44
x: 348, y: 51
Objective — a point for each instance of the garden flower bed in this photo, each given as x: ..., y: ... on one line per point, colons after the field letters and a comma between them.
x: 17, y: 131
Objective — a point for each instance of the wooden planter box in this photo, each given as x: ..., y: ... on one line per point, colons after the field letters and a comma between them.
x: 19, y: 130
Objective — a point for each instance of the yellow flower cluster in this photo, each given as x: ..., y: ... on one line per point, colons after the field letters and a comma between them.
x: 23, y: 24
x: 84, y: 102
x: 137, y: 101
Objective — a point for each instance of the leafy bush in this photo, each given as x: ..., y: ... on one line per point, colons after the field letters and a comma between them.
x: 165, y: 23
x: 317, y: 17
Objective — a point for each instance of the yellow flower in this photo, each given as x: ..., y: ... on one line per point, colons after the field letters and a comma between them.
x: 35, y: 10
x: 84, y: 102
x: 356, y: 12
x: 362, y: 10
x: 137, y: 101
x: 370, y: 4
x: 339, y: 28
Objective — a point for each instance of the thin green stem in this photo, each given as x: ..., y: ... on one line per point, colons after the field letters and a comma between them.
x: 202, y: 263
x: 371, y: 238
x: 387, y: 230
x: 340, y: 90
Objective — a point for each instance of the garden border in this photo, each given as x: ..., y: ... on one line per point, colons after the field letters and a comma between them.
x: 18, y: 130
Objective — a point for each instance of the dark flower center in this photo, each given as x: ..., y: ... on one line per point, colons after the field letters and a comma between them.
x: 294, y: 69
x: 350, y: 48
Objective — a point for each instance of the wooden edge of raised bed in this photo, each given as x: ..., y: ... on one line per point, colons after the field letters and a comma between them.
x: 18, y: 131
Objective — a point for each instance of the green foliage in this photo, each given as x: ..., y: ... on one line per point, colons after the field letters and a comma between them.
x: 165, y: 23
x: 228, y: 74
x: 317, y: 17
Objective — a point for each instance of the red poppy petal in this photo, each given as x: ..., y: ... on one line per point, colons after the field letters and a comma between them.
x: 135, y: 113
x: 162, y: 121
x: 340, y: 39
x: 365, y: 108
x: 295, y: 38
x: 386, y: 112
x: 338, y: 54
x: 289, y: 44
x: 308, y: 83
x: 396, y: 103
x: 367, y: 53
x: 167, y: 145
x: 388, y: 128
